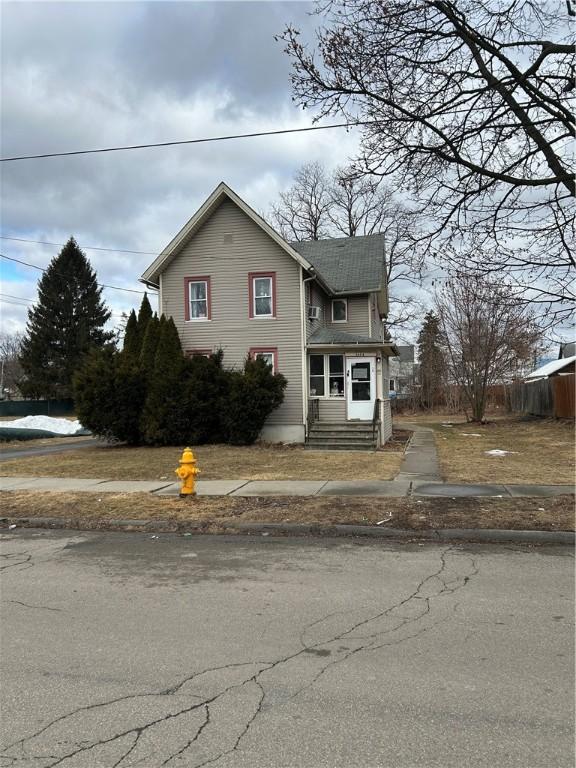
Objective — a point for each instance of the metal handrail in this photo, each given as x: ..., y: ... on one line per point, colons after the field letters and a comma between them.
x: 375, y: 417
x: 313, y: 413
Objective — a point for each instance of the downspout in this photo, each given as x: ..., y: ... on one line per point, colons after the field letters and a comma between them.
x: 304, y: 348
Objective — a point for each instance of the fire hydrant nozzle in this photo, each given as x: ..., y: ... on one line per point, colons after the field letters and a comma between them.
x: 187, y: 472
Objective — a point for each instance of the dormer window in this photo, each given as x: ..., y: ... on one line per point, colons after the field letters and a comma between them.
x: 339, y: 311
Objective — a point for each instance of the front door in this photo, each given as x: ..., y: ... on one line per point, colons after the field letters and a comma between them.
x: 361, y: 378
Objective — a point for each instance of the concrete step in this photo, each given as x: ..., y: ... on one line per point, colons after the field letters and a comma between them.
x: 342, y: 435
x: 323, y: 426
x: 315, y: 445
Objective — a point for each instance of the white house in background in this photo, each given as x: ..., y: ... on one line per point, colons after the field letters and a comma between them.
x: 314, y: 311
x: 559, y: 367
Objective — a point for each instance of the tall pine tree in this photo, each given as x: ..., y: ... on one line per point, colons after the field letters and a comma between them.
x: 431, y: 359
x: 67, y: 321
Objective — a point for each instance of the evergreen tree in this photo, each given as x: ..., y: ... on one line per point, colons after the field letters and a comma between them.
x: 252, y: 396
x: 431, y: 359
x: 67, y: 321
x: 144, y: 316
x: 164, y: 419
x: 149, y: 347
x: 131, y: 346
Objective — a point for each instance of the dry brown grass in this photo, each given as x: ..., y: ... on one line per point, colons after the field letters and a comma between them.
x: 542, y: 450
x: 91, y: 510
x: 217, y: 462
x: 22, y: 445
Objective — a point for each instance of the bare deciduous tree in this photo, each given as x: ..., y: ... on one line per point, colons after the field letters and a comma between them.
x: 466, y: 104
x: 489, y: 335
x: 10, y: 368
x: 346, y: 204
x: 302, y: 213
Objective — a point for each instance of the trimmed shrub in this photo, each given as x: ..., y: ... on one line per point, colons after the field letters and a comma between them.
x: 252, y: 396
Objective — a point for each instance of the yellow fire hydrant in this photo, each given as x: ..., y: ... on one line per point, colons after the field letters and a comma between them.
x: 187, y: 472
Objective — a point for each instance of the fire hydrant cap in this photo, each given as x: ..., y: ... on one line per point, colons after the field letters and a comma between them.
x: 187, y: 457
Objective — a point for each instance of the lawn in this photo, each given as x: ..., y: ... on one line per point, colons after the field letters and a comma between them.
x: 216, y: 462
x: 89, y: 510
x: 541, y: 450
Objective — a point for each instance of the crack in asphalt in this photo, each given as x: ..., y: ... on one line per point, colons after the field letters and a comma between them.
x: 38, y: 607
x: 408, y: 614
x: 26, y: 562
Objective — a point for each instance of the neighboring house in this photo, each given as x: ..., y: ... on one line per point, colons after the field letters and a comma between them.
x: 402, y: 373
x: 567, y: 349
x: 560, y: 367
x: 313, y: 310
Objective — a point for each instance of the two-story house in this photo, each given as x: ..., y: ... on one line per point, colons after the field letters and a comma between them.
x: 313, y: 310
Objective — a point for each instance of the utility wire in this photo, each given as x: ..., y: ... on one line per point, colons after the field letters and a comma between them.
x: 185, y: 141
x: 85, y: 247
x: 42, y: 269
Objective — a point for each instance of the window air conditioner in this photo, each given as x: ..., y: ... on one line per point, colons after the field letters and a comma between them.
x: 313, y: 313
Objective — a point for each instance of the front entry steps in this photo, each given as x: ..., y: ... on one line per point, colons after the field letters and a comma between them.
x: 342, y: 436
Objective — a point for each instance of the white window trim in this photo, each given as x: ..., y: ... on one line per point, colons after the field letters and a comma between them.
x: 272, y: 354
x: 328, y: 396
x: 191, y: 319
x: 256, y: 315
x: 346, y: 308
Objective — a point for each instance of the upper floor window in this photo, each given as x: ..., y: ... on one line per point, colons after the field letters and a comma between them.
x: 197, y: 298
x: 339, y: 310
x: 262, y: 294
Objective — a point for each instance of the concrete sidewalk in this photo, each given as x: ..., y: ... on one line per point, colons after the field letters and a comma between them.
x: 394, y: 488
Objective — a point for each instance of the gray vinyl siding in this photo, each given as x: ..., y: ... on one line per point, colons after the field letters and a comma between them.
x: 377, y: 325
x: 227, y: 248
x: 358, y: 312
x: 386, y: 426
x: 357, y: 322
x: 332, y: 410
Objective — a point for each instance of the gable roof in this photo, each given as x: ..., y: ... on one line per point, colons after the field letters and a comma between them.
x: 222, y: 192
x: 347, y: 264
x: 406, y: 353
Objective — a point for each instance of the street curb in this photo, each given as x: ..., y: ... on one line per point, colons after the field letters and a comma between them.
x: 491, y: 535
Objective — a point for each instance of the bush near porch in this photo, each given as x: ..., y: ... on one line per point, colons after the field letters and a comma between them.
x: 150, y: 393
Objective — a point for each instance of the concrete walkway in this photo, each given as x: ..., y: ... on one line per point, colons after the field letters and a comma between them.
x: 420, y: 460
x: 394, y: 488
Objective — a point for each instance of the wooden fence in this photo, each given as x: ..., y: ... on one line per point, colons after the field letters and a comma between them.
x: 552, y: 397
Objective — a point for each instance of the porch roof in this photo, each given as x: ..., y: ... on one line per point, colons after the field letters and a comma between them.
x: 323, y: 337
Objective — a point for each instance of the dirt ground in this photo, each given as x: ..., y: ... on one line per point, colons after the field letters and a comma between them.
x: 409, y: 513
x: 541, y: 450
x: 216, y: 462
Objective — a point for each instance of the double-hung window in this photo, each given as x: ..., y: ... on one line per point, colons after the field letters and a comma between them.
x: 262, y: 294
x: 268, y: 354
x: 326, y: 375
x: 197, y: 298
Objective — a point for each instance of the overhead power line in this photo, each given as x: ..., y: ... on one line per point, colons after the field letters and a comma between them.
x: 85, y: 247
x: 186, y: 141
x: 43, y: 269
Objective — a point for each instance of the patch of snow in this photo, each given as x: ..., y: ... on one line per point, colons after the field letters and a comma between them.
x: 447, y: 425
x: 498, y: 452
x: 47, y: 423
x: 470, y: 434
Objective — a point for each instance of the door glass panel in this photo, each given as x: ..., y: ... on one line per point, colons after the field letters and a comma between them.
x: 361, y: 372
x: 360, y: 390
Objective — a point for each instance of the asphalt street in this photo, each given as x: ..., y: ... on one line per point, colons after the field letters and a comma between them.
x: 121, y: 650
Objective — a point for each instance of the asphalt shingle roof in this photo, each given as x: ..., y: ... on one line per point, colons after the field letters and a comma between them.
x: 347, y: 264
x: 330, y: 336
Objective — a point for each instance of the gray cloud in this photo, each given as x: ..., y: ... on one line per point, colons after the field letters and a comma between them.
x: 83, y: 75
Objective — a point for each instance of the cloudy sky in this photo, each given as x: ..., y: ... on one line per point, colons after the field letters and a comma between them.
x: 80, y: 75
